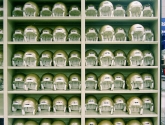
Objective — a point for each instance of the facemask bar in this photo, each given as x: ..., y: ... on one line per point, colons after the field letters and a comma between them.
x: 91, y: 11
x: 17, y: 12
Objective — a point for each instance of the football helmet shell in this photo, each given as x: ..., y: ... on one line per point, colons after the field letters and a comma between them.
x: 46, y: 121
x: 74, y: 10
x: 135, y: 9
x: 134, y: 80
x: 60, y: 58
x: 118, y: 121
x: 17, y: 103
x: 148, y: 58
x: 134, y: 104
x: 119, y: 80
x: 75, y: 121
x: 106, y: 104
x: 90, y: 121
x: 17, y: 59
x: 91, y: 103
x: 59, y: 9
x: 119, y: 103
x: 91, y: 10
x: 147, y: 102
x: 74, y: 104
x: 18, y: 81
x: 44, y: 103
x: 105, y: 82
x: 91, y: 58
x: 75, y: 58
x: 31, y: 34
x: 18, y: 35
x: 59, y: 104
x: 91, y: 81
x: 30, y: 9
x: 105, y: 122
x: 58, y: 122
x: 75, y: 81
x: 31, y: 122
x: 106, y: 9
x: 17, y: 11
x: 148, y: 80
x: 47, y: 81
x: 146, y: 121
x: 46, y: 35
x: 106, y: 33
x: 46, y: 11
x: 46, y: 58
x: 29, y: 105
x: 32, y: 82
x: 136, y: 33
x: 135, y: 57
x: 106, y: 58
x: 60, y: 82
x: 19, y: 121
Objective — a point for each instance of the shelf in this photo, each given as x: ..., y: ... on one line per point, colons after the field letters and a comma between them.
x: 44, y: 19
x: 120, y: 91
x: 39, y: 67
x: 1, y: 67
x: 121, y: 42
x: 44, y: 91
x: 124, y: 19
x: 1, y: 92
x: 122, y: 67
x: 119, y: 113
x: 45, y: 114
x: 47, y: 43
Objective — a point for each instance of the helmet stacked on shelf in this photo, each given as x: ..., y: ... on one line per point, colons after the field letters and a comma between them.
x: 137, y: 32
x: 31, y: 9
x: 107, y: 9
x: 117, y: 81
x: 59, y: 58
x: 106, y: 57
x: 48, y: 81
x: 32, y: 34
x: 45, y: 103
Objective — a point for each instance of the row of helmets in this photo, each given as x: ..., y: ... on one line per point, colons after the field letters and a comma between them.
x: 106, y: 8
x: 104, y: 82
x: 60, y: 33
x: 59, y: 58
x: 59, y: 103
x: 106, y: 57
x: 137, y: 32
x: 107, y: 81
x: 88, y: 121
x: 31, y: 9
x: 133, y: 105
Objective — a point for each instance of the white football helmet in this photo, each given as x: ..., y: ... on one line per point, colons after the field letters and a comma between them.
x: 60, y: 58
x: 120, y: 58
x: 148, y: 11
x: 46, y: 35
x: 106, y: 33
x: 91, y: 58
x: 17, y: 103
x: 119, y: 11
x: 135, y: 9
x: 106, y: 9
x: 136, y: 33
x: 106, y: 58
x: 148, y: 58
x: 17, y: 59
x: 47, y: 81
x: 46, y: 11
x: 119, y: 80
x: 18, y: 35
x: 59, y: 104
x: 91, y: 10
x: 120, y: 34
x: 31, y: 34
x: 60, y: 34
x: 74, y: 11
x: 75, y: 58
x: 30, y: 9
x: 148, y: 80
x: 149, y: 35
x: 45, y: 103
x: 46, y: 58
x: 59, y: 9
x: 119, y: 103
x: 17, y: 11
x: 74, y: 34
x: 18, y: 81
x: 135, y: 57
x: 91, y: 34
x: 148, y: 102
x: 91, y: 103
x: 74, y: 104
x: 91, y: 81
x: 75, y: 81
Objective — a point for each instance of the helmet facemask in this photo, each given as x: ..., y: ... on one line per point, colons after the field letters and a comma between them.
x: 17, y: 60
x: 18, y: 36
x: 46, y: 12
x: 148, y: 11
x: 91, y: 11
x: 74, y: 11
x: 74, y: 60
x: 91, y: 35
x: 74, y: 107
x: 45, y: 60
x: 119, y: 83
x: 106, y: 107
x: 106, y: 84
x: 106, y: 9
x: 107, y: 35
x: 30, y: 10
x: 60, y: 84
x: 17, y: 12
x: 29, y: 60
x: 46, y: 84
x: 30, y: 36
x: 46, y: 36
x: 16, y: 105
x: 149, y: 35
x: 90, y: 83
x: 120, y: 35
x: 59, y: 35
x: 91, y: 60
x: 59, y: 10
x: 120, y: 60
x: 119, y: 11
x: 106, y: 60
x: 136, y: 60
x: 18, y: 83
x: 74, y: 83
x: 74, y: 36
x: 59, y: 60
x: 30, y: 84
